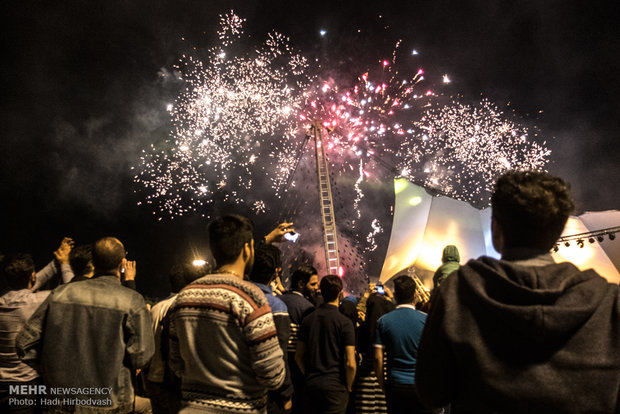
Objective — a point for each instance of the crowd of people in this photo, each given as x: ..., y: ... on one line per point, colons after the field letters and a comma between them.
x: 520, y: 334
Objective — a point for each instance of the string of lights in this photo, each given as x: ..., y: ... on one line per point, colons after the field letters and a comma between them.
x: 591, y: 236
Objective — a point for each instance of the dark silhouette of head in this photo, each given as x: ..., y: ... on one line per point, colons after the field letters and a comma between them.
x: 18, y: 270
x: 227, y: 237
x: 108, y: 254
x: 331, y: 286
x: 530, y: 209
x: 266, y: 261
x: 404, y: 289
x: 81, y: 260
x: 183, y: 274
x: 305, y: 280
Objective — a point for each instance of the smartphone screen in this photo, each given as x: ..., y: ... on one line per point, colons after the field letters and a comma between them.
x: 380, y: 289
x: 292, y: 237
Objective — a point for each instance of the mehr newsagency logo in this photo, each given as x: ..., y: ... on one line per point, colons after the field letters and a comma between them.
x: 31, y: 395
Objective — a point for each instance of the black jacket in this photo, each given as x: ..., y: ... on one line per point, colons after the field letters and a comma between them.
x: 507, y: 338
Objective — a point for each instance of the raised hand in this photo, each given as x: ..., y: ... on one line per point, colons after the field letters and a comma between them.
x: 278, y: 233
x: 62, y: 253
x: 130, y: 269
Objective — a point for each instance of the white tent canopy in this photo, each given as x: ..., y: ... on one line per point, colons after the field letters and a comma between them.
x: 598, y: 256
x: 424, y: 224
x: 597, y: 220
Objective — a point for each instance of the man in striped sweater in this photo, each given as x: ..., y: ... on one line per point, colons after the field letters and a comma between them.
x: 223, y: 342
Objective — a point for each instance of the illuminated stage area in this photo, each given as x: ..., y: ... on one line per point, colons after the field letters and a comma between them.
x: 424, y: 224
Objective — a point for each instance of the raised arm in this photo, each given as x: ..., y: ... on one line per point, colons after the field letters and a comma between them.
x: 129, y: 266
x: 62, y: 257
x: 44, y: 275
x: 51, y: 269
x: 276, y: 235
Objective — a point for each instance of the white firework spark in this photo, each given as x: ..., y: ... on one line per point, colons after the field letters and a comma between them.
x: 237, y: 111
x: 461, y: 149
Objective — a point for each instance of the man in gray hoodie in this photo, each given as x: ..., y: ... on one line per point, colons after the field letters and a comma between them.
x: 523, y: 334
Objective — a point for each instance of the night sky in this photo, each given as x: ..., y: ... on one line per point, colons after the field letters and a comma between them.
x: 83, y: 94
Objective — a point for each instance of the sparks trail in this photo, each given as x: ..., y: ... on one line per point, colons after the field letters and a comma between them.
x: 234, y: 119
x: 464, y: 147
x: 370, y: 116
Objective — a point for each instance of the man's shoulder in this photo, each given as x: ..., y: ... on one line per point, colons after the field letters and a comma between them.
x: 311, y: 317
x: 448, y: 267
x: 293, y: 299
x: 328, y: 314
x: 23, y: 297
x: 345, y: 323
x: 386, y: 319
x: 223, y: 279
x: 277, y: 305
x: 477, y: 263
x: 486, y: 268
x: 160, y: 309
x: 481, y: 267
x: 222, y: 284
x: 402, y: 313
x: 99, y: 291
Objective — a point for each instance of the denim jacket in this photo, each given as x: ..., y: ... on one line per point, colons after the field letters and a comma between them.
x: 90, y: 334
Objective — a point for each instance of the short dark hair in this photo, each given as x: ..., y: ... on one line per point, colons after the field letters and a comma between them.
x: 531, y: 208
x: 331, y: 286
x: 80, y: 258
x: 266, y: 260
x: 108, y: 254
x: 17, y: 269
x: 302, y: 274
x: 227, y: 236
x: 404, y: 289
x: 182, y: 275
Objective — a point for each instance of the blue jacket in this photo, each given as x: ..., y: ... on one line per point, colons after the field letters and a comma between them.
x: 282, y: 321
x: 89, y: 334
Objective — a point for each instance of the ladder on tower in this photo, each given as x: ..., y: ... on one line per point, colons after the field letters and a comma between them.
x: 327, y: 204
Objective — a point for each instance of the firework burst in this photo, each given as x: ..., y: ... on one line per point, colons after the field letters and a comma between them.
x: 461, y: 149
x: 235, y: 115
x: 369, y: 116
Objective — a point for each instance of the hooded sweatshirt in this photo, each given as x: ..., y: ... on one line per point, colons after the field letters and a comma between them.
x: 502, y: 337
x: 450, y: 262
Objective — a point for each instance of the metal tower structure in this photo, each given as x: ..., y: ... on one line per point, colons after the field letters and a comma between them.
x: 327, y: 205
